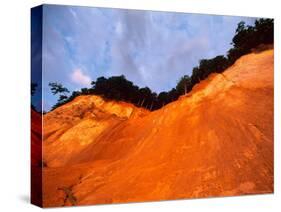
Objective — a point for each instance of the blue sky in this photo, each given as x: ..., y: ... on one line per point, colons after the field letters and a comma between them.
x: 150, y: 48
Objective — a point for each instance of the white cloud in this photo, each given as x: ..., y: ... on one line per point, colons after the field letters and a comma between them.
x: 80, y: 78
x: 151, y: 49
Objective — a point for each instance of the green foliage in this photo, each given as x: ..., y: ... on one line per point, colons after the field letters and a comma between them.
x: 184, y: 85
x: 248, y: 37
x: 57, y: 88
x: 207, y: 66
x: 120, y: 89
x: 163, y: 98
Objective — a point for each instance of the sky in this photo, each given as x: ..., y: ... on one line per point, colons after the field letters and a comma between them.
x: 150, y: 48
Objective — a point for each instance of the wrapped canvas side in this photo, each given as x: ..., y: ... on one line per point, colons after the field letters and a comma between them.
x: 36, y: 106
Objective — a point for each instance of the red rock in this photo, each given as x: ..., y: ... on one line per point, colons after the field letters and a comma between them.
x: 215, y: 141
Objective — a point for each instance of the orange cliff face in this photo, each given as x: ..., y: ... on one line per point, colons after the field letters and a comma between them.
x: 36, y: 157
x: 73, y: 127
x: 215, y: 141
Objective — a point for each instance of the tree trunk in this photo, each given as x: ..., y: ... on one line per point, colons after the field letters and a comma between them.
x: 151, y: 106
x: 142, y: 102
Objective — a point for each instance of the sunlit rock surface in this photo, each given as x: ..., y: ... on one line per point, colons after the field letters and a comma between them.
x: 215, y: 141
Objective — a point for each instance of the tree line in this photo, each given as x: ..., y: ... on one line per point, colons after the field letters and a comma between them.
x: 118, y: 88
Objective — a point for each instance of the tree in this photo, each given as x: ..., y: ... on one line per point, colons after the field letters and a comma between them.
x: 163, y: 98
x: 33, y: 88
x: 265, y: 30
x: 184, y: 85
x: 207, y: 66
x: 173, y: 95
x: 153, y: 101
x: 248, y: 37
x: 220, y: 63
x: 145, y: 95
x: 120, y: 89
x: 85, y: 91
x: 57, y: 88
x: 233, y: 54
x: 62, y: 98
x: 195, y: 77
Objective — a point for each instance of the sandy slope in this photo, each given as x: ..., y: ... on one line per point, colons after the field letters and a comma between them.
x: 215, y: 141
